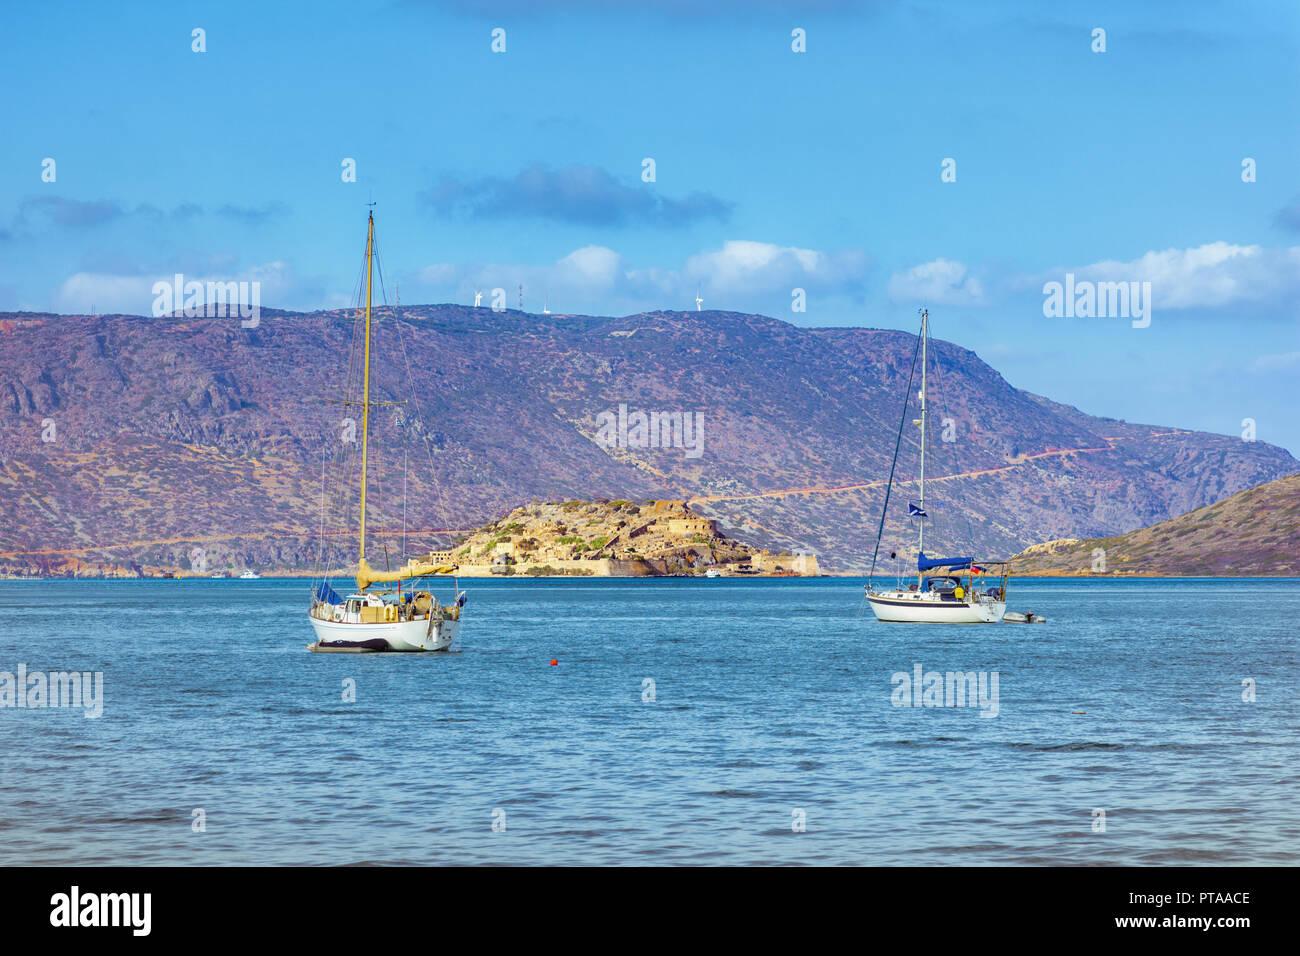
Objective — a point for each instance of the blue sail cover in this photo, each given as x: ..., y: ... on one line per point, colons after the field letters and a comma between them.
x: 926, y: 564
x: 328, y: 594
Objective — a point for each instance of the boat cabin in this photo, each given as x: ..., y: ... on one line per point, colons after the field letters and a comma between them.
x: 942, y: 583
x: 945, y: 586
x: 383, y: 608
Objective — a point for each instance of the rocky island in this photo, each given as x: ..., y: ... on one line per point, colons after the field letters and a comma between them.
x: 615, y: 539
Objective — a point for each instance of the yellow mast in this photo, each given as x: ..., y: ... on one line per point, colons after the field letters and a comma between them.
x: 415, y: 567
x: 365, y: 402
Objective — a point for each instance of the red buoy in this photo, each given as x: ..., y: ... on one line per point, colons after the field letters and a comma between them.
x: 554, y: 662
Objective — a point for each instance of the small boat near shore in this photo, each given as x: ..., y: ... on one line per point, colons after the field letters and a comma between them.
x: 250, y: 575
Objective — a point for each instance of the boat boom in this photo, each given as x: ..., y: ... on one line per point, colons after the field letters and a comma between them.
x: 414, y: 568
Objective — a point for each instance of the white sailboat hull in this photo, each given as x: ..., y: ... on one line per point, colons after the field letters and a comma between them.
x: 922, y: 608
x: 398, y: 636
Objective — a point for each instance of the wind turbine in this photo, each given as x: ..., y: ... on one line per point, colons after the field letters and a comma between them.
x: 698, y: 301
x: 478, y: 298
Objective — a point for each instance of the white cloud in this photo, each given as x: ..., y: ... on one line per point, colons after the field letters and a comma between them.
x: 742, y: 275
x: 87, y: 291
x: 941, y: 282
x: 1276, y: 363
x: 595, y: 266
x: 743, y: 265
x: 133, y: 294
x: 1211, y: 276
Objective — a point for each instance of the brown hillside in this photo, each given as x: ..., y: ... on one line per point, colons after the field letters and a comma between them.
x: 1254, y: 532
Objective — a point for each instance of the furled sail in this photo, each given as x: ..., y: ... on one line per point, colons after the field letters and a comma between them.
x: 926, y: 564
x: 414, y: 568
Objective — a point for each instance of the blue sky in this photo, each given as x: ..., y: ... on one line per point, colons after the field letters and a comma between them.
x: 774, y: 170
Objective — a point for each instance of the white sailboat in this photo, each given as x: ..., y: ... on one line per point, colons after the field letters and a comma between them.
x: 382, y: 620
x: 947, y: 590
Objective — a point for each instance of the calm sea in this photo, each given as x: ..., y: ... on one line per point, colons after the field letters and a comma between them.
x: 686, y: 721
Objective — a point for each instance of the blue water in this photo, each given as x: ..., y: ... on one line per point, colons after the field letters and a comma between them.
x: 771, y: 697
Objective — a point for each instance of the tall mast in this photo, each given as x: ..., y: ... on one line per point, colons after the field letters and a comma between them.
x: 365, y: 402
x: 925, y: 335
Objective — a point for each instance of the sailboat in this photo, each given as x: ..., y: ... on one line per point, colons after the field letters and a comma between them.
x: 382, y: 620
x: 947, y: 590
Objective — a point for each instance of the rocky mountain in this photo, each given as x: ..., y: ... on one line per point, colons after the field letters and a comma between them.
x: 1254, y: 532
x: 195, y: 442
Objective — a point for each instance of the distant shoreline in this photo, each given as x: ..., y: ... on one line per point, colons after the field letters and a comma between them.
x: 1037, y: 575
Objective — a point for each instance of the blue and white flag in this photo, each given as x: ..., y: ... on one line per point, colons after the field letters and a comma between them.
x: 914, y: 512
